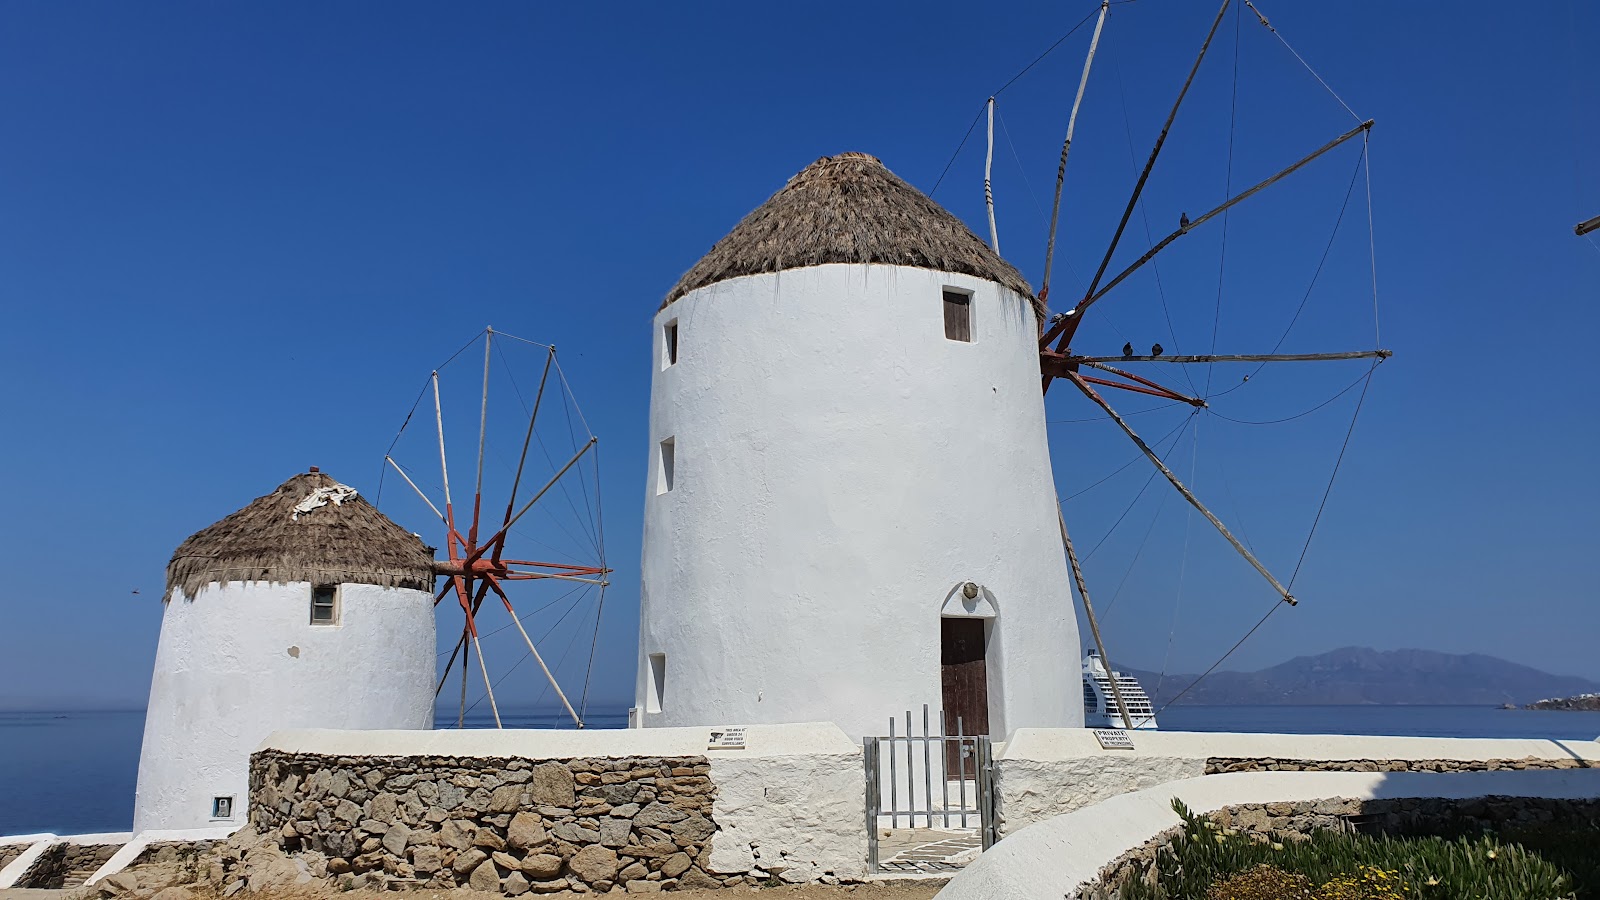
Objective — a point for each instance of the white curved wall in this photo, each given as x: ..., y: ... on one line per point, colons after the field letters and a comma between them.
x: 840, y: 466
x: 242, y: 660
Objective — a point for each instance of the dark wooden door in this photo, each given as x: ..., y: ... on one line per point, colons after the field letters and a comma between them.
x: 965, y: 682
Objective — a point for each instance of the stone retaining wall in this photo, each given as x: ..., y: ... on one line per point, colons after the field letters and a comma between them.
x: 1296, y: 821
x: 9, y: 853
x: 65, y: 865
x: 495, y: 824
x: 1219, y: 765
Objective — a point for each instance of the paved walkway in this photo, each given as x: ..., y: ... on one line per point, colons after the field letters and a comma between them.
x: 926, y: 850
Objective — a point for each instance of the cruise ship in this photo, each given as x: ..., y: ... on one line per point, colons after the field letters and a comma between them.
x: 1100, y: 706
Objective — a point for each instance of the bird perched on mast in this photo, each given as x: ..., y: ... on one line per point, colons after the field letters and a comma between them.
x: 1127, y: 350
x: 1157, y: 350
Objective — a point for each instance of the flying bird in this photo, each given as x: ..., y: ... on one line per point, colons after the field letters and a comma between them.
x: 1127, y: 350
x: 1157, y: 350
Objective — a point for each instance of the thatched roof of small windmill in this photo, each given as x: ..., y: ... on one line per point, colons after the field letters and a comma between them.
x: 343, y: 542
x: 849, y: 209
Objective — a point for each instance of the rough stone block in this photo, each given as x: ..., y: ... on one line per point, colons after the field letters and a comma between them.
x: 595, y: 864
x: 505, y: 799
x: 485, y: 877
x: 424, y: 859
x: 676, y: 865
x: 658, y: 814
x: 551, y: 784
x: 614, y: 832
x: 526, y: 831
x: 542, y: 866
x: 468, y: 861
x: 394, y: 840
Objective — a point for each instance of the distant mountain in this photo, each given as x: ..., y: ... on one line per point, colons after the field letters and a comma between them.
x: 1358, y: 675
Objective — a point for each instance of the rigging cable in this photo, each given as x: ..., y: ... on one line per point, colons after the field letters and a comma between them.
x: 1013, y: 80
x: 600, y: 606
x: 1297, y: 56
x: 1317, y: 274
x: 1339, y: 461
x: 1139, y: 551
x: 1227, y: 191
x: 1144, y: 213
x: 1038, y: 207
x: 1342, y: 391
x: 1103, y: 538
x: 1303, y: 550
x: 1183, y: 564
x: 1118, y: 470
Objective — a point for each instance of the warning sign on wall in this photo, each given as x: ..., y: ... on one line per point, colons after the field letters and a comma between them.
x: 726, y: 739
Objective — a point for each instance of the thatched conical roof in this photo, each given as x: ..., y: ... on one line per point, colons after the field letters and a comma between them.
x: 849, y: 209
x: 345, y: 540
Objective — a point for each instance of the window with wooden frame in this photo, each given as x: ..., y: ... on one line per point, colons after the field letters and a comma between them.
x: 324, y: 604
x: 957, y: 315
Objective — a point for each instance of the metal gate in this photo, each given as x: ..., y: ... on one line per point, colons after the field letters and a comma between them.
x: 934, y: 780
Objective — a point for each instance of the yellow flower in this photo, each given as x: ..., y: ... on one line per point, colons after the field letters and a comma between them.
x: 1493, y: 854
x: 1277, y: 846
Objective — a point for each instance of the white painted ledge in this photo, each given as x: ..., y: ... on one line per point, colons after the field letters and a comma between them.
x: 1052, y: 859
x: 130, y: 851
x: 760, y: 740
x: 1050, y: 744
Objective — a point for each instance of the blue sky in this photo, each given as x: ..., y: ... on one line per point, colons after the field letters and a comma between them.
x: 234, y: 240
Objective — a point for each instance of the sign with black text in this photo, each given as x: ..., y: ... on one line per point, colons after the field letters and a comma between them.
x: 1113, y: 739
x: 726, y: 739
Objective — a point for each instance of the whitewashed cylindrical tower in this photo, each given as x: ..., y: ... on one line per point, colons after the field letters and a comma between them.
x: 850, y: 510
x: 306, y: 609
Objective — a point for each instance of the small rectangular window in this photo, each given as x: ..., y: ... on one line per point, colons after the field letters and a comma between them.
x: 658, y: 683
x: 669, y: 344
x: 221, y: 807
x: 665, y: 466
x: 324, y: 605
x: 957, y: 315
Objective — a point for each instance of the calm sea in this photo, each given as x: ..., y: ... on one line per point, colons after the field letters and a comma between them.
x: 74, y: 772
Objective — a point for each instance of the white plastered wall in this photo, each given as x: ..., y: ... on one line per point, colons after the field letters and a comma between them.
x: 839, y: 468
x: 242, y: 660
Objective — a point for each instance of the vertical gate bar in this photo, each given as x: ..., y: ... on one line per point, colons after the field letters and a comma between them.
x: 944, y: 768
x: 869, y: 753
x: 894, y: 782
x: 961, y: 762
x: 911, y: 777
x: 927, y: 766
x: 985, y: 794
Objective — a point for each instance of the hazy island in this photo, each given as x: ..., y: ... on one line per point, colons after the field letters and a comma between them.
x: 1582, y: 703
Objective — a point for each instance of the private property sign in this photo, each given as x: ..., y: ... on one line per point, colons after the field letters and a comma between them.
x: 1113, y: 739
